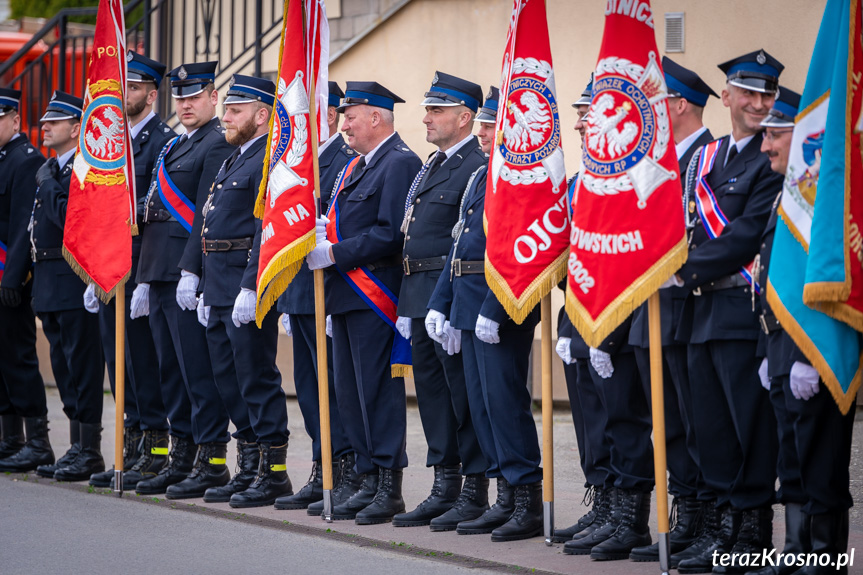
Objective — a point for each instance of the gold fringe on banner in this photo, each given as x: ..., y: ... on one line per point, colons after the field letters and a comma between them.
x: 401, y: 370
x: 519, y: 308
x: 594, y: 332
x: 280, y: 271
x: 105, y: 296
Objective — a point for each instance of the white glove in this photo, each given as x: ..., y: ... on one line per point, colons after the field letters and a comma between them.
x: 203, y: 312
x: 403, y: 326
x: 321, y: 229
x: 187, y: 290
x: 286, y: 323
x: 329, y: 328
x: 91, y: 303
x: 601, y: 362
x: 434, y: 323
x: 319, y: 258
x: 804, y: 381
x: 140, y: 305
x: 563, y: 350
x: 244, y: 307
x: 451, y: 339
x: 762, y: 374
x: 672, y: 281
x: 487, y: 330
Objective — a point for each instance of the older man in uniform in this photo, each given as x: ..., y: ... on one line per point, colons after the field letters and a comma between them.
x: 734, y: 425
x: 363, y: 244
x: 434, y: 198
x: 171, y: 242
x: 22, y: 394
x: 146, y: 433
x: 298, y: 305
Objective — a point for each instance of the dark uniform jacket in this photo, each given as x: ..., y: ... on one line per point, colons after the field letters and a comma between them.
x: 372, y: 208
x: 55, y: 286
x: 435, y: 212
x: 167, y: 246
x: 745, y: 190
x: 230, y: 215
x: 19, y: 160
x: 299, y: 298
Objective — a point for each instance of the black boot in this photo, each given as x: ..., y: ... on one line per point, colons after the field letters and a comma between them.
x: 180, y: 463
x: 526, y: 520
x: 210, y: 470
x: 444, y: 492
x: 754, y: 537
x: 565, y: 534
x: 152, y: 457
x: 271, y: 482
x: 829, y: 538
x: 36, y: 451
x: 248, y: 461
x: 68, y: 457
x: 470, y: 504
x: 632, y: 530
x: 388, y: 500
x: 132, y: 445
x: 684, y: 521
x: 12, y: 432
x: 603, y: 502
x: 497, y: 514
x: 702, y: 552
x: 361, y: 498
x: 797, y: 540
x: 347, y: 482
x: 311, y: 492
x: 89, y: 459
x: 603, y: 526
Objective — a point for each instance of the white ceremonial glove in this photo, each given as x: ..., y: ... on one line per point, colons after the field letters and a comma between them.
x: 319, y: 258
x: 286, y: 323
x: 487, y: 330
x: 403, y: 326
x: 321, y: 229
x: 672, y: 281
x: 244, y: 307
x: 762, y: 374
x: 804, y: 381
x: 91, y: 302
x: 601, y: 362
x: 203, y: 312
x: 434, y: 323
x: 563, y: 350
x: 140, y: 305
x: 187, y: 291
x: 452, y: 339
x: 329, y: 328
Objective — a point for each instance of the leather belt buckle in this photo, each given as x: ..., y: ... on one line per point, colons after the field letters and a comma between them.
x: 456, y: 268
x: 406, y: 266
x: 697, y: 291
x: 764, y: 326
x: 33, y: 255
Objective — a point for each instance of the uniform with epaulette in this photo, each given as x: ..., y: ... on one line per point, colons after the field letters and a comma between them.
x: 434, y: 199
x: 171, y: 242
x: 730, y: 182
x: 22, y: 393
x: 146, y: 419
x: 496, y: 372
x: 298, y: 303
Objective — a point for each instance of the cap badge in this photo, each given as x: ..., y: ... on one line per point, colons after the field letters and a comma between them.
x: 182, y: 74
x: 129, y: 56
x: 436, y: 79
x: 761, y: 58
x: 233, y: 81
x: 54, y: 95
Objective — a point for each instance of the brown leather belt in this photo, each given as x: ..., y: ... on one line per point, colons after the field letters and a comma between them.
x: 424, y: 265
x: 39, y: 255
x: 465, y: 267
x: 226, y: 245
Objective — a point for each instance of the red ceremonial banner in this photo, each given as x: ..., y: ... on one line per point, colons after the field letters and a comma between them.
x: 526, y: 217
x: 286, y: 201
x: 628, y: 233
x: 100, y: 213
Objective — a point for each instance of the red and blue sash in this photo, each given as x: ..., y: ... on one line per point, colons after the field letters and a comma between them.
x: 712, y: 218
x: 173, y: 199
x: 372, y: 291
x: 2, y: 259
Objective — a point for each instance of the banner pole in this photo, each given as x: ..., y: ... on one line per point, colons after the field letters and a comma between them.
x: 658, y: 414
x: 119, y: 384
x: 547, y: 422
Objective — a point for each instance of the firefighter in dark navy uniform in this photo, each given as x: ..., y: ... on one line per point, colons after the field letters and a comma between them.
x: 298, y: 305
x: 146, y: 433
x: 435, y: 195
x: 22, y: 393
x: 169, y: 271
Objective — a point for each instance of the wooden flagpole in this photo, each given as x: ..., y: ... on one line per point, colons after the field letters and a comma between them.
x: 658, y: 414
x: 119, y: 384
x: 547, y: 421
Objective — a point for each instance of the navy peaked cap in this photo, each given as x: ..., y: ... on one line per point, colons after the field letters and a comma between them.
x: 369, y: 94
x: 684, y: 83
x: 449, y: 90
x: 784, y: 109
x: 63, y: 106
x: 335, y: 94
x: 9, y: 100
x: 246, y: 89
x: 488, y: 112
x: 190, y: 79
x: 143, y: 69
x: 758, y: 71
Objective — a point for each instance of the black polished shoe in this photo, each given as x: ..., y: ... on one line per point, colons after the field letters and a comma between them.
x: 684, y: 521
x: 210, y: 470
x: 346, y: 484
x: 388, y: 500
x: 722, y: 542
x: 180, y: 463
x: 36, y: 452
x: 565, y: 534
x: 271, y: 482
x: 603, y: 526
x: 359, y: 500
x: 89, y: 459
x: 12, y: 433
x: 526, y: 520
x: 311, y: 492
x: 133, y: 441
x: 248, y: 461
x: 48, y: 471
x: 632, y: 528
x: 470, y: 504
x: 444, y: 492
x: 152, y: 457
x: 753, y: 539
x: 497, y: 515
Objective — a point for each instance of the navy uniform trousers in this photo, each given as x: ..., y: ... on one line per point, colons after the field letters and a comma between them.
x: 22, y: 391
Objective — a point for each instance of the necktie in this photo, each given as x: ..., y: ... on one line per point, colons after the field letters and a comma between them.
x: 231, y: 159
x: 358, y: 169
x: 731, y: 154
x: 436, y: 163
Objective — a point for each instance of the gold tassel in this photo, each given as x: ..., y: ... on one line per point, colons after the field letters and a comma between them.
x: 519, y: 308
x: 279, y: 273
x: 106, y: 297
x: 401, y: 370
